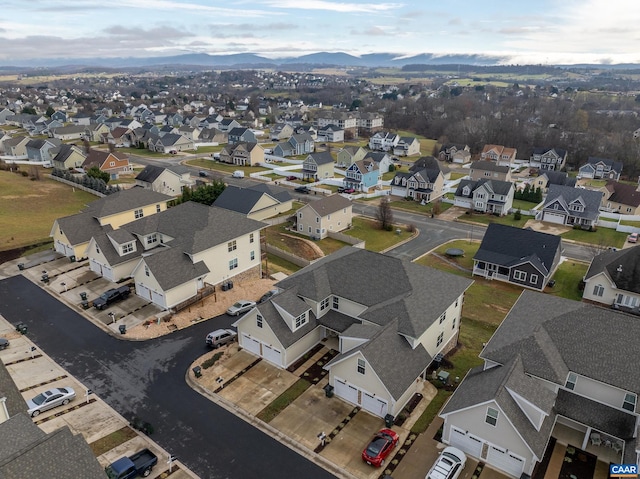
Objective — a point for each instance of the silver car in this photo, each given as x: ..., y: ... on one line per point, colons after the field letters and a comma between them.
x: 240, y: 307
x: 49, y: 399
x: 449, y: 464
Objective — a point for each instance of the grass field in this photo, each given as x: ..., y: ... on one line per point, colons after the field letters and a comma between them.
x: 375, y: 239
x: 601, y: 237
x: 486, y: 219
x: 216, y: 165
x: 416, y: 207
x: 28, y: 208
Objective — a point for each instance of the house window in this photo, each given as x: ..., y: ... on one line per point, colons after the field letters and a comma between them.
x: 336, y: 302
x: 520, y: 275
x: 127, y: 248
x: 152, y: 238
x: 302, y: 319
x: 146, y: 270
x: 158, y: 209
x: 324, y: 304
x: 259, y: 321
x: 317, y: 219
x: 571, y: 381
x: 492, y: 416
x: 251, y: 238
x: 310, y: 229
x: 233, y: 264
x: 252, y: 255
x: 97, y: 249
x: 629, y: 402
x: 457, y: 302
x: 361, y: 366
x: 453, y: 325
x: 533, y: 279
x: 300, y: 228
x: 443, y: 316
x: 317, y: 231
x: 112, y: 163
x: 138, y: 213
x: 440, y: 339
x: 231, y: 246
x: 598, y: 290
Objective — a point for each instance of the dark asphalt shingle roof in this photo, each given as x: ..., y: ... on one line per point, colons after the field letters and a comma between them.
x: 489, y: 166
x: 496, y: 186
x: 172, y: 267
x: 321, y: 157
x: 241, y: 200
x: 330, y: 204
x: 125, y: 200
x: 14, y: 402
x: 622, y: 267
x: 565, y: 195
x: 111, y: 254
x: 80, y: 228
x: 624, y: 193
x: 286, y: 337
x: 507, y: 246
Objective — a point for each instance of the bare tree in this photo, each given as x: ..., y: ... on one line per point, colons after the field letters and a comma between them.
x: 384, y: 214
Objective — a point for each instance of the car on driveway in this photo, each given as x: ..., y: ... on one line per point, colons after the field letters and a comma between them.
x: 4, y: 343
x: 220, y: 337
x: 349, y: 191
x: 632, y: 238
x: 380, y: 447
x: 240, y: 307
x: 302, y: 189
x: 449, y: 464
x: 292, y: 178
x: 267, y: 296
x: 49, y: 399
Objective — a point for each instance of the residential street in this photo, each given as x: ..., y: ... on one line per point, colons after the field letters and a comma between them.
x: 147, y: 379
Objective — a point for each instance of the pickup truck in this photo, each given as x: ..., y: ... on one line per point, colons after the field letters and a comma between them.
x: 140, y: 464
x: 111, y: 296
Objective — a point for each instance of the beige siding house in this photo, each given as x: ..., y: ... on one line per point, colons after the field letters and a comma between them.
x: 316, y: 219
x: 257, y: 202
x: 170, y: 180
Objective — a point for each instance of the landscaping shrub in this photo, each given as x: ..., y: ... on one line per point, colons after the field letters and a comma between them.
x: 517, y: 216
x: 207, y: 363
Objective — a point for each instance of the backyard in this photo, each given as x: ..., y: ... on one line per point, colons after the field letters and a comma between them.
x: 600, y: 237
x: 218, y: 166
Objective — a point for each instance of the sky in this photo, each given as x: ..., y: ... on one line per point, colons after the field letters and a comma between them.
x: 526, y: 32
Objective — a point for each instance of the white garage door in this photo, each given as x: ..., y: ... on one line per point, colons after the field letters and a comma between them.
x: 143, y: 291
x: 250, y: 344
x: 462, y: 202
x: 61, y: 248
x: 107, y: 272
x: 158, y: 298
x: 346, y: 391
x: 271, y: 354
x: 505, y: 461
x: 553, y: 218
x: 466, y: 442
x: 373, y: 404
x: 95, y: 266
x: 398, y: 191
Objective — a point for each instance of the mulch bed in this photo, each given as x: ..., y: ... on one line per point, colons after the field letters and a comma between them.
x: 305, y: 357
x: 408, y: 409
x: 315, y: 372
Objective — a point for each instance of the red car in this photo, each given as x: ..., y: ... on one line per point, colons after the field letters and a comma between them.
x: 380, y: 447
x: 292, y: 178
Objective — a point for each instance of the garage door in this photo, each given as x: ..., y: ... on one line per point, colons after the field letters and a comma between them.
x: 61, y: 248
x: 143, y: 291
x: 158, y: 298
x: 466, y: 442
x: 250, y: 344
x: 553, y: 218
x: 505, y: 461
x: 374, y: 404
x: 95, y: 266
x: 107, y: 272
x: 464, y: 203
x: 346, y: 391
x: 271, y: 354
x: 398, y: 191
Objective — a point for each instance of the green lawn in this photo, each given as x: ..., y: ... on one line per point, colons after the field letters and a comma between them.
x: 456, y: 176
x: 524, y: 205
x: 635, y: 224
x: 112, y: 440
x: 216, y: 165
x: 600, y: 237
x: 207, y: 149
x: 568, y: 278
x: 388, y: 175
x: 375, y: 239
x: 144, y: 152
x: 281, y: 402
x: 416, y: 207
x: 29, y: 208
x: 486, y: 219
x: 275, y: 264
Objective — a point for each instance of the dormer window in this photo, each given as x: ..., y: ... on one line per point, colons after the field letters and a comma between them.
x: 301, y: 320
x: 629, y: 402
x: 127, y: 248
x: 571, y: 381
x: 138, y: 213
x: 151, y: 239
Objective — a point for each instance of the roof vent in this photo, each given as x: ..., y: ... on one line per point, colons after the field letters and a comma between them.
x: 619, y: 269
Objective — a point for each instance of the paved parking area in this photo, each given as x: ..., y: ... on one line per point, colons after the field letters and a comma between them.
x: 34, y: 372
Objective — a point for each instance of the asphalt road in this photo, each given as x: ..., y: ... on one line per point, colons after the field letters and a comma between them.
x: 147, y: 380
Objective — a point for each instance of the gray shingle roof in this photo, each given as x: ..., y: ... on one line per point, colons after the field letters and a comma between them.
x: 330, y: 204
x: 622, y: 267
x: 497, y: 186
x: 111, y: 254
x: 286, y: 337
x: 241, y: 200
x: 171, y: 267
x: 14, y: 401
x: 322, y: 157
x: 565, y: 195
x: 125, y: 200
x: 80, y: 228
x: 507, y: 246
x: 489, y: 166
x: 150, y: 173
x: 281, y: 194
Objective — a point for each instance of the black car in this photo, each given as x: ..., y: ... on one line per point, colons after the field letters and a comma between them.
x: 203, y: 174
x: 303, y: 189
x: 4, y: 343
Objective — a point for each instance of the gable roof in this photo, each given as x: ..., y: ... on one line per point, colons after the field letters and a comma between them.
x: 321, y: 157
x: 567, y: 195
x: 540, y: 150
x: 622, y: 267
x: 98, y: 157
x: 486, y: 165
x: 614, y: 165
x: 14, y: 402
x: 497, y: 186
x: 329, y: 204
x: 279, y: 193
x: 623, y: 193
x: 559, y: 178
x: 64, y: 152
x: 172, y: 267
x: 238, y: 199
x: 429, y: 163
x: 125, y: 200
x: 507, y: 246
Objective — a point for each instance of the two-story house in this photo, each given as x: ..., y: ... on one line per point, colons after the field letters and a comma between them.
x: 170, y: 142
x: 554, y: 368
x: 547, y: 178
x: 41, y: 150
x: 407, y: 146
x: 257, y: 202
x: 362, y: 175
x: 242, y: 154
x: 424, y: 185
x: 112, y: 163
x: 455, y: 153
x: 318, y: 166
x: 238, y: 134
x: 369, y: 122
x: 280, y: 131
x: 548, y: 158
x: 318, y: 218
x: 565, y: 205
x: 169, y: 180
x: 387, y: 332
x: 350, y: 154
x: 600, y: 168
x: 68, y: 157
x: 94, y: 132
x: 488, y: 170
x: 330, y: 134
x: 621, y: 198
x: 485, y: 196
x: 500, y: 154
x: 383, y: 141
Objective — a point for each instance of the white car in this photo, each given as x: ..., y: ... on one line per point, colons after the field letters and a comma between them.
x: 240, y: 307
x: 49, y: 399
x: 449, y: 464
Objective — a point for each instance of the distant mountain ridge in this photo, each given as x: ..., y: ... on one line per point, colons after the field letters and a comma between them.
x: 252, y: 60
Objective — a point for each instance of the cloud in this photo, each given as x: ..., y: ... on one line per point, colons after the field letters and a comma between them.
x: 372, y: 31
x: 340, y: 7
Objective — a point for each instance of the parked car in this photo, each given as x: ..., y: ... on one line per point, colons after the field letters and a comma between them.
x: 380, y: 447
x: 240, y: 307
x: 140, y: 464
x: 267, y: 296
x: 349, y: 190
x: 220, y: 337
x: 632, y: 238
x: 203, y: 174
x: 292, y: 178
x: 303, y: 189
x: 49, y: 399
x: 449, y: 464
x: 111, y: 296
x: 341, y: 189
x: 238, y: 174
x: 174, y: 152
x: 4, y: 343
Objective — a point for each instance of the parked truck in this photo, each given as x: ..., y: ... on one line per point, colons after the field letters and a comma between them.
x: 111, y: 296
x: 138, y: 465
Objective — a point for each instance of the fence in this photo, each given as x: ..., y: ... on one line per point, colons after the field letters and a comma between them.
x: 76, y: 185
x: 355, y: 242
x: 297, y: 260
x: 614, y: 221
x: 203, y: 293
